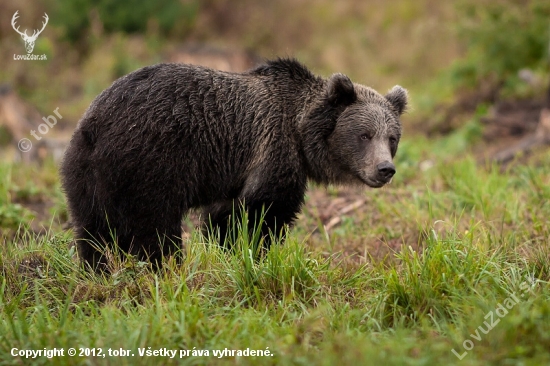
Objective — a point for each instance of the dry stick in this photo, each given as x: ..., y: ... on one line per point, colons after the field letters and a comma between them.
x: 338, y: 219
x: 539, y: 138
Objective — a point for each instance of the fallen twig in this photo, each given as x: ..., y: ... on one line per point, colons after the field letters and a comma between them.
x: 338, y: 219
x: 539, y: 138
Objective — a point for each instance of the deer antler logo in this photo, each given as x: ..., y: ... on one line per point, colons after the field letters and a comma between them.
x: 29, y: 40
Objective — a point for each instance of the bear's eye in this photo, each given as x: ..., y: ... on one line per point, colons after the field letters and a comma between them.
x: 393, y: 140
x: 365, y: 137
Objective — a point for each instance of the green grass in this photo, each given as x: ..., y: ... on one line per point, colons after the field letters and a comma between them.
x: 470, y: 237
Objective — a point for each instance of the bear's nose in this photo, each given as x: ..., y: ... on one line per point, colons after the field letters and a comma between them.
x: 386, y: 170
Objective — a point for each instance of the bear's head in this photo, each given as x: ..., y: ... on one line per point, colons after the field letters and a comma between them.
x: 352, y: 133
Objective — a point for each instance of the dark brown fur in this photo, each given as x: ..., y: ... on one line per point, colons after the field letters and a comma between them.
x: 171, y: 137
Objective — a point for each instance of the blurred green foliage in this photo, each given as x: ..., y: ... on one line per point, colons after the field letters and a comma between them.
x: 169, y: 17
x: 12, y: 215
x: 501, y: 38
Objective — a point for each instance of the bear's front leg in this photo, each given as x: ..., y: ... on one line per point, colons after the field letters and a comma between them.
x: 271, y: 218
x: 222, y: 219
x: 217, y: 220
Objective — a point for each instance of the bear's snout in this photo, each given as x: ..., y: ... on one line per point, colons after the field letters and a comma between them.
x: 386, y: 171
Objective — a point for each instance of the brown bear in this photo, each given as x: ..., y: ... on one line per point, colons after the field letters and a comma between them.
x: 171, y: 137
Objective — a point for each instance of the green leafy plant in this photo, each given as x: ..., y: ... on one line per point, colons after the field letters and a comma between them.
x: 501, y: 38
x: 127, y: 16
x: 12, y: 215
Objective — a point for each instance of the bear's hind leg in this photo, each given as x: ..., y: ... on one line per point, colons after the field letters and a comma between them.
x: 91, y: 243
x: 154, y: 244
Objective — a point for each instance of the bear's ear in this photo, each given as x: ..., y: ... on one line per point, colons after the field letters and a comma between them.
x: 340, y: 90
x: 397, y: 97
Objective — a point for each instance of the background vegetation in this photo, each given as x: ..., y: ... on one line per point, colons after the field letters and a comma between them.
x: 406, y: 278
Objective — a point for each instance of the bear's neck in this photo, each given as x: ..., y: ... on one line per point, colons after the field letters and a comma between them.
x: 314, y: 125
